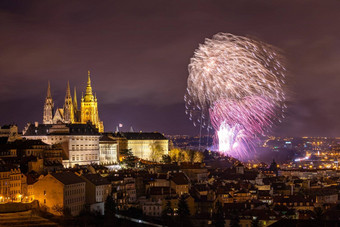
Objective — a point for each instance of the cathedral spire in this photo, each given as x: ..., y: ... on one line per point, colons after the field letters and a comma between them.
x: 68, y: 106
x: 88, y: 93
x: 49, y: 90
x: 75, y: 103
x: 48, y: 107
x: 68, y: 91
x: 88, y: 78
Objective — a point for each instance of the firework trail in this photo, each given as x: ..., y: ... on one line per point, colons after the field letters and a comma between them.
x: 236, y: 86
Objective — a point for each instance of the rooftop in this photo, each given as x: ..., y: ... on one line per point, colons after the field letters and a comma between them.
x: 67, y: 178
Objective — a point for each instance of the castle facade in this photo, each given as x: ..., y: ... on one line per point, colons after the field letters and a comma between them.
x: 70, y: 114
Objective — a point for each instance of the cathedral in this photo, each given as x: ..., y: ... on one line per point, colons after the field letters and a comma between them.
x: 70, y: 114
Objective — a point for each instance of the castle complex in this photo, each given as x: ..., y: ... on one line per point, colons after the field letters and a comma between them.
x: 70, y: 114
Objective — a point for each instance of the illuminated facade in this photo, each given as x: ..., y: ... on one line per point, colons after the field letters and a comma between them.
x: 145, y: 145
x: 108, y: 150
x: 10, y: 184
x: 60, y: 192
x: 70, y: 113
x: 79, y: 142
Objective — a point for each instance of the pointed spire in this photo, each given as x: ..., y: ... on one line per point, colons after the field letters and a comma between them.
x: 88, y: 88
x: 88, y: 78
x: 68, y: 90
x: 75, y: 103
x: 48, y: 90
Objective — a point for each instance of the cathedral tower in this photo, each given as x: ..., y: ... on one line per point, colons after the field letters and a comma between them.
x: 89, y: 107
x: 68, y: 106
x: 48, y: 107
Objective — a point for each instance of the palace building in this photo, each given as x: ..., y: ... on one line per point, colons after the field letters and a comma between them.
x: 70, y: 114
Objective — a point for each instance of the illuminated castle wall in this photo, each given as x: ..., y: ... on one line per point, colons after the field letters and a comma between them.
x: 70, y: 112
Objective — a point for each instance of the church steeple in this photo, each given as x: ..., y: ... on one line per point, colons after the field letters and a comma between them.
x: 68, y: 106
x: 88, y: 94
x: 88, y: 88
x: 89, y: 107
x: 68, y: 90
x: 48, y: 107
x: 75, y: 103
x: 48, y: 90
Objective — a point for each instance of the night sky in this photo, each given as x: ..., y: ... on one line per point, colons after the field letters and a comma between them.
x: 138, y: 53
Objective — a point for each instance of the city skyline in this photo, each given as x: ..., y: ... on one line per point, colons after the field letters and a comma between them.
x: 138, y: 56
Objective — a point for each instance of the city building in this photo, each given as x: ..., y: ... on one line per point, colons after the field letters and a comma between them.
x: 80, y: 142
x: 10, y: 132
x: 180, y: 183
x: 10, y: 183
x: 97, y: 190
x: 108, y: 150
x: 152, y: 208
x: 61, y: 193
x: 70, y: 114
x: 145, y: 145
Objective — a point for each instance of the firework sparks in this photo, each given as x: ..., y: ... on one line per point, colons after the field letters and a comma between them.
x: 236, y: 86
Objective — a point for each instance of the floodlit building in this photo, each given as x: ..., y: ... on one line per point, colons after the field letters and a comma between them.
x: 60, y: 193
x: 10, y: 183
x: 80, y: 142
x: 145, y: 145
x: 70, y: 114
x: 108, y: 150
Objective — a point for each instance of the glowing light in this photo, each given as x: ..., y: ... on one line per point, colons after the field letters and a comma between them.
x: 227, y: 137
x: 236, y: 86
x: 302, y: 159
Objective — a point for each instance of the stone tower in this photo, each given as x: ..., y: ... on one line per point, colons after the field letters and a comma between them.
x: 48, y: 107
x: 68, y: 106
x: 89, y: 107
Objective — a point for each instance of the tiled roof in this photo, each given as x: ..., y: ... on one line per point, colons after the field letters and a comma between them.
x: 61, y: 129
x: 179, y: 179
x: 105, y: 137
x: 143, y: 136
x: 67, y: 178
x: 96, y: 179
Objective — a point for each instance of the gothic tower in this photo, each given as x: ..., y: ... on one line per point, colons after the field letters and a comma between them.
x: 48, y: 107
x: 75, y: 107
x: 89, y: 107
x: 68, y: 106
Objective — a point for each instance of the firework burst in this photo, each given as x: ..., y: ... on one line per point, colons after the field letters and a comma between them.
x: 236, y: 86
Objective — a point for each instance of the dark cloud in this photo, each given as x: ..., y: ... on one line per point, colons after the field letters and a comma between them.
x: 138, y: 52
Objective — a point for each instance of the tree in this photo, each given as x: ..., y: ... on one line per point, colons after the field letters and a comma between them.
x: 166, y: 159
x: 185, y: 156
x: 183, y: 212
x: 156, y: 152
x: 168, y: 211
x: 129, y: 160
x: 219, y: 216
x: 318, y: 212
x: 198, y: 157
x: 110, y: 205
x: 58, y: 209
x: 175, y: 154
x: 168, y: 214
x: 62, y: 211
